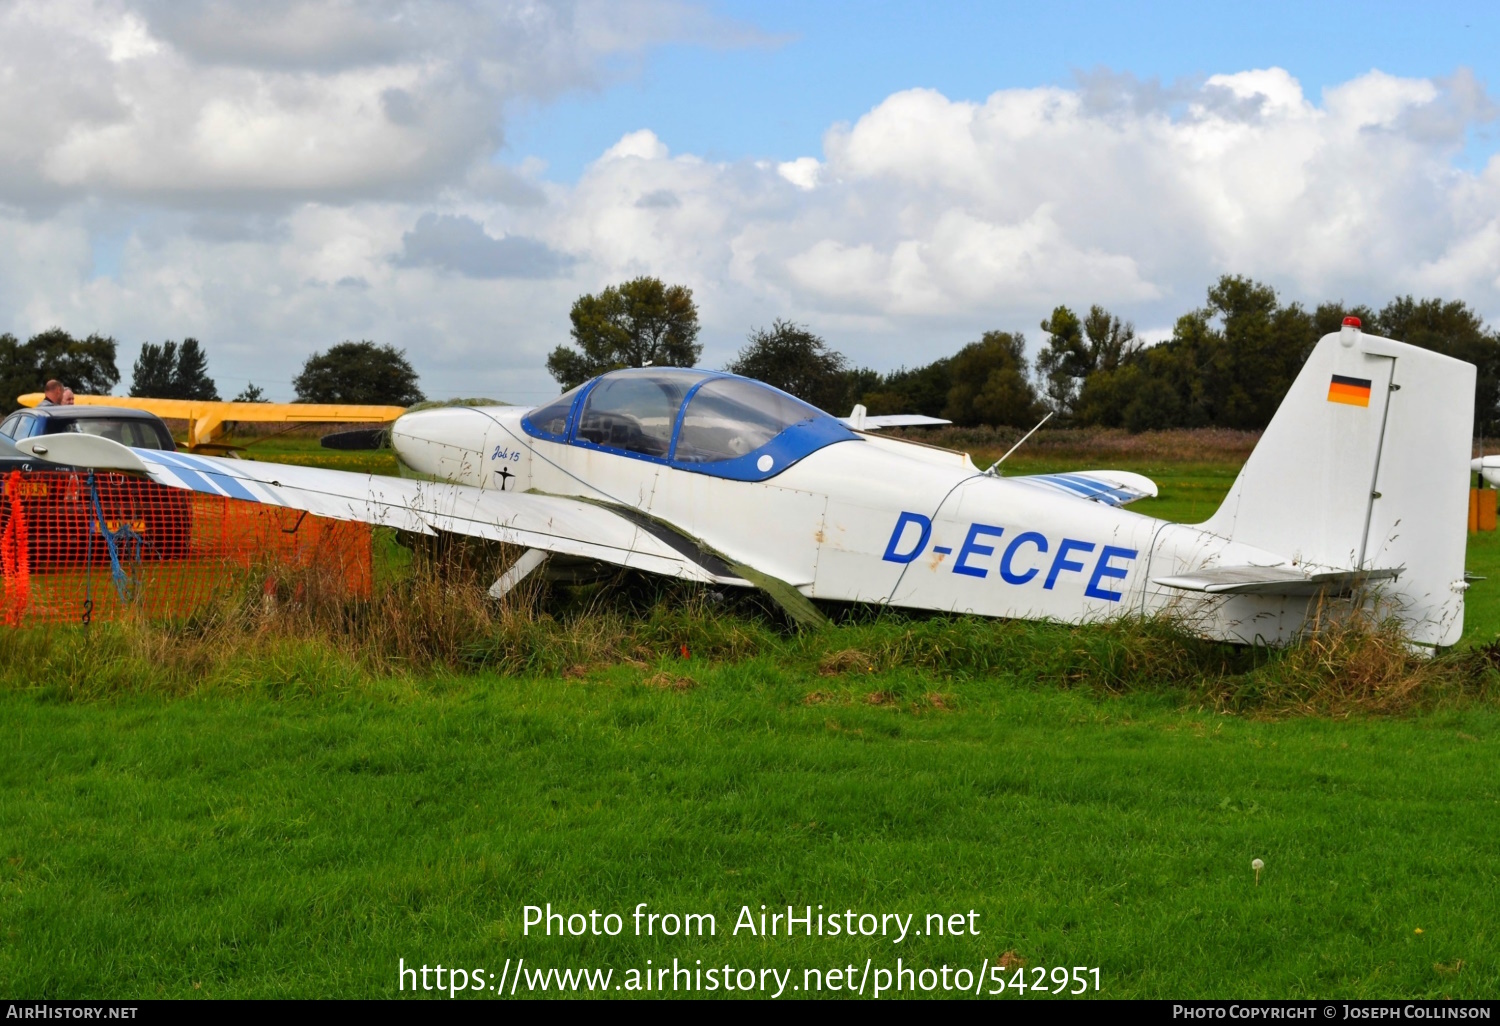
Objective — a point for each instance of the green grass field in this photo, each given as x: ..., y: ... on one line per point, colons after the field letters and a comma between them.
x: 304, y: 823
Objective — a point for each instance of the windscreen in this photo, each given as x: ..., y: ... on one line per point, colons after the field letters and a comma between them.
x: 731, y: 417
x: 635, y: 411
x: 552, y: 419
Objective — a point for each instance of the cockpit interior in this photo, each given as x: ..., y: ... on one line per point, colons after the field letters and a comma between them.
x: 700, y: 420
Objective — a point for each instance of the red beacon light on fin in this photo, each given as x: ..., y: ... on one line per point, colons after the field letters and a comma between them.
x: 1350, y: 331
x: 1351, y: 322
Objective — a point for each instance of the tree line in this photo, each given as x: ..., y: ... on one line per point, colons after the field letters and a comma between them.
x: 350, y: 372
x: 1227, y: 363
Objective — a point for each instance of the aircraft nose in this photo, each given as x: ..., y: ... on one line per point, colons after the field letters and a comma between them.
x: 423, y: 425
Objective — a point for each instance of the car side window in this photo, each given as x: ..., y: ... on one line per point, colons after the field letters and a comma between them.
x: 142, y: 434
x: 635, y: 412
x: 139, y: 434
x: 9, y: 425
x: 102, y: 428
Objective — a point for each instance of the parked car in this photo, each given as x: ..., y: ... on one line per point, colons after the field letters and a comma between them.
x: 12, y: 458
x: 62, y: 525
x: 135, y: 428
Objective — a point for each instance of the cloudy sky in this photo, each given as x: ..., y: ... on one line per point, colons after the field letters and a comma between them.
x: 274, y: 177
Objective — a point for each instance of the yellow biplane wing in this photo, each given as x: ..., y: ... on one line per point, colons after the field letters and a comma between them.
x: 206, y: 420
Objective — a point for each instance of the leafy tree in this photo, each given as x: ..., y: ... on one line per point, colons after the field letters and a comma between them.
x: 358, y: 372
x: 1063, y: 364
x: 16, y: 372
x: 252, y: 393
x: 168, y: 371
x: 1153, y: 388
x: 1077, y: 349
x: 643, y: 321
x: 85, y: 365
x: 919, y: 390
x: 1452, y: 329
x: 155, y: 370
x: 795, y: 360
x: 1329, y: 318
x: 193, y: 381
x: 1155, y: 400
x: 857, y: 382
x: 990, y: 383
x: 1228, y: 364
x: 1111, y: 340
x: 1255, y: 354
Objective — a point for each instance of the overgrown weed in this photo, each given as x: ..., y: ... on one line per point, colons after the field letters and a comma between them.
x: 293, y: 630
x: 1354, y: 664
x: 286, y: 632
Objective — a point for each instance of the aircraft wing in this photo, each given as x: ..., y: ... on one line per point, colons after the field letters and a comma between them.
x: 206, y: 419
x: 198, y: 409
x: 1113, y: 487
x: 543, y: 522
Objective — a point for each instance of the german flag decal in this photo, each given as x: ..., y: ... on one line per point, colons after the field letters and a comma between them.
x: 1350, y: 391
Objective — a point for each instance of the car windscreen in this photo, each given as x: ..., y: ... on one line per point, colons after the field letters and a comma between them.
x: 139, y: 434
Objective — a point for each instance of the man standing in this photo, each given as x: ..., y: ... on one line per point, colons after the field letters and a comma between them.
x: 52, y: 393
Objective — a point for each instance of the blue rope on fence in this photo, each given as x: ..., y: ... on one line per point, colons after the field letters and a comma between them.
x: 113, y: 541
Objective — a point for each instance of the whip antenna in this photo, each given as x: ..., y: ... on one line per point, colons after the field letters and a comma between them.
x: 1002, y: 459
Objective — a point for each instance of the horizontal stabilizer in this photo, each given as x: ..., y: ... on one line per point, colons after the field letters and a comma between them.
x: 899, y: 420
x: 1272, y: 580
x: 1487, y: 467
x: 1112, y: 487
x: 859, y: 420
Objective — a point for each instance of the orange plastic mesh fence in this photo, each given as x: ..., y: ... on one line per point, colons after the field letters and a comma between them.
x: 76, y: 547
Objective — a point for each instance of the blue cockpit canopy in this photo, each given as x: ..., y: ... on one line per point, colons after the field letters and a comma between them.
x: 703, y: 421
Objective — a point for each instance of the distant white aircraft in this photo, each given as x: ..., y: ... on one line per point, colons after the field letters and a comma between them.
x: 1356, y: 491
x: 1488, y: 468
x: 861, y: 420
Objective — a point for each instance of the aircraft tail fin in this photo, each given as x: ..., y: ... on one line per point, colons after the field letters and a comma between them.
x: 1365, y: 465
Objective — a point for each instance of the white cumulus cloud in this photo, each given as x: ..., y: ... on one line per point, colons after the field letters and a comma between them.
x: 275, y: 179
x: 802, y: 172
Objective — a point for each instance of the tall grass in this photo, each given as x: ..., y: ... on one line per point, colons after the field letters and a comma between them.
x: 290, y: 631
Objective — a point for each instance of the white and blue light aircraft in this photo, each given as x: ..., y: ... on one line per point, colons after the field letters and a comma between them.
x: 1356, y: 492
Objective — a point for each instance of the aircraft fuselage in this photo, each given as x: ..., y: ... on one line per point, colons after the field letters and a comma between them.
x: 876, y: 520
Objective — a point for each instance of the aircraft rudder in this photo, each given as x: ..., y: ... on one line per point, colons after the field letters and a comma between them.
x: 1364, y: 466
